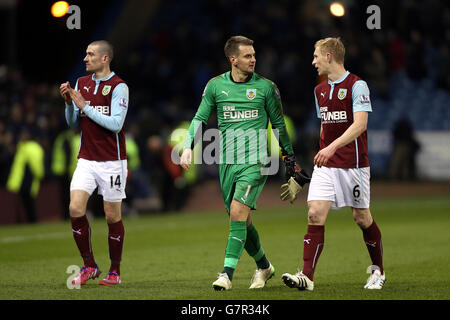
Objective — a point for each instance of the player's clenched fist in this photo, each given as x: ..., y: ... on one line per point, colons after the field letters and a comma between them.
x: 186, y: 159
x: 64, y: 90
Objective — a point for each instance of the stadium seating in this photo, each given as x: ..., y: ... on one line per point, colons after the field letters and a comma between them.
x: 425, y: 105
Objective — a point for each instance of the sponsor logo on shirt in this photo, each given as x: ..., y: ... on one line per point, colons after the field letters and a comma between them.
x: 101, y: 109
x: 231, y: 114
x: 332, y: 116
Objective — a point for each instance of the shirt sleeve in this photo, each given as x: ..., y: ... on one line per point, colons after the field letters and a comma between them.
x: 361, y: 97
x: 203, y: 113
x: 274, y: 109
x: 72, y: 113
x: 119, y: 108
x: 317, y: 105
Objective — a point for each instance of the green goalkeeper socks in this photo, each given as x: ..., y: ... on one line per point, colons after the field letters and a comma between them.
x: 235, y: 246
x: 254, y: 249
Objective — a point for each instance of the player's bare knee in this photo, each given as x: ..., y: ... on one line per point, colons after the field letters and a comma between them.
x: 112, y: 217
x: 315, y: 217
x: 113, y: 212
x: 238, y: 215
x: 362, y: 217
x: 314, y: 220
x: 239, y: 211
x: 76, y: 211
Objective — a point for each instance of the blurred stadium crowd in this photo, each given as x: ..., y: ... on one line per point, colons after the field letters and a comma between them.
x: 406, y: 64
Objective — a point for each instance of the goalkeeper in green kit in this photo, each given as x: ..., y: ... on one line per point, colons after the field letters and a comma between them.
x: 245, y: 102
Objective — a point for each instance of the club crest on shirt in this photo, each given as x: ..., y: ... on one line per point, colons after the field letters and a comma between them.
x: 251, y: 94
x: 342, y: 93
x: 106, y: 90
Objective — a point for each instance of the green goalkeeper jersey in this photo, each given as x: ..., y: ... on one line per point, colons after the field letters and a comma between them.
x: 243, y: 112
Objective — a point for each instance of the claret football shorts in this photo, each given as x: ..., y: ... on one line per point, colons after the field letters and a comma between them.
x: 109, y: 176
x: 344, y: 187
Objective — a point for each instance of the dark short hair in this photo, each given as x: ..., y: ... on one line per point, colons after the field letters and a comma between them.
x: 105, y: 48
x: 232, y: 45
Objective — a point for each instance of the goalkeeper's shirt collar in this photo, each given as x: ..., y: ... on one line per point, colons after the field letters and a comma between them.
x: 250, y: 76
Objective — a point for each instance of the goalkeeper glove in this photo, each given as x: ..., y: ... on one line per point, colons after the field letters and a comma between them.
x: 296, y: 177
x: 289, y: 190
x: 293, y: 170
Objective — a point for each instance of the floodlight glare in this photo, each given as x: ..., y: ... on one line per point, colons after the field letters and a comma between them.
x: 337, y: 9
x: 59, y: 9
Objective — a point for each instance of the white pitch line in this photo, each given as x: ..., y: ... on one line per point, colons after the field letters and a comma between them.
x: 34, y: 237
x: 68, y: 233
x: 60, y: 235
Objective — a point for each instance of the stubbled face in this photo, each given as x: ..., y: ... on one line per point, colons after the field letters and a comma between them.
x: 320, y: 62
x: 94, y: 60
x: 246, y: 60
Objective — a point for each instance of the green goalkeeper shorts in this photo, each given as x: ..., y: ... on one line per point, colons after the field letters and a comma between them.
x: 242, y: 183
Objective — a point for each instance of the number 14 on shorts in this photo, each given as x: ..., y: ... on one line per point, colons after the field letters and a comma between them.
x: 115, y: 182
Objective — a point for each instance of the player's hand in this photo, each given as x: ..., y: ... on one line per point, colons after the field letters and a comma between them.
x: 77, y: 98
x: 290, y: 190
x: 64, y: 90
x: 186, y: 159
x: 324, y: 155
x: 294, y: 171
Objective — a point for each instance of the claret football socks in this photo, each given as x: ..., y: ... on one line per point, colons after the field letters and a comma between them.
x: 372, y: 238
x: 116, y: 235
x: 82, y: 235
x: 312, y: 248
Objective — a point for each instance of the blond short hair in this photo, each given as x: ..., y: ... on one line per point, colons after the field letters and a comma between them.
x: 333, y: 46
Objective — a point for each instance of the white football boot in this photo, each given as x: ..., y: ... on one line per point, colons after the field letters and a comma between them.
x: 298, y: 280
x: 261, y: 276
x: 376, y: 279
x: 222, y: 282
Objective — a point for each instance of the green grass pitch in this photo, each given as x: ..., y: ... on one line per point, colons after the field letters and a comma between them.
x: 178, y: 256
